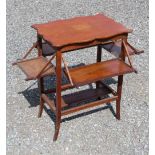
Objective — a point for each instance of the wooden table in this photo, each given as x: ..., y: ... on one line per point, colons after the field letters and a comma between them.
x: 77, y: 33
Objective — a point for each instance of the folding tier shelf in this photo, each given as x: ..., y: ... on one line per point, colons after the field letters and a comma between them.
x: 57, y: 37
x: 32, y: 67
x: 115, y: 48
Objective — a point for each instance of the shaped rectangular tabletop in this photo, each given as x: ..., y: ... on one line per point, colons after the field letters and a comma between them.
x: 79, y: 30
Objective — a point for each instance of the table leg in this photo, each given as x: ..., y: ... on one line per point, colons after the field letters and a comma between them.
x: 119, y: 85
x: 41, y: 80
x: 119, y: 92
x: 41, y: 88
x: 58, y: 94
x: 99, y: 57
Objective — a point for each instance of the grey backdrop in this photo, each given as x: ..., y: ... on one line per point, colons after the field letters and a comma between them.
x: 98, y: 132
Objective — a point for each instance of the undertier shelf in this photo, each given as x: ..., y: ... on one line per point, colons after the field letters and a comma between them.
x: 81, y: 100
x: 94, y: 72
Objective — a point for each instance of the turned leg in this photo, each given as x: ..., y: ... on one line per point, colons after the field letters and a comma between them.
x: 58, y: 95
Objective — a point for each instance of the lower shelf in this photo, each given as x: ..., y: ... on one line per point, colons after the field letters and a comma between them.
x: 94, y: 72
x: 82, y: 100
